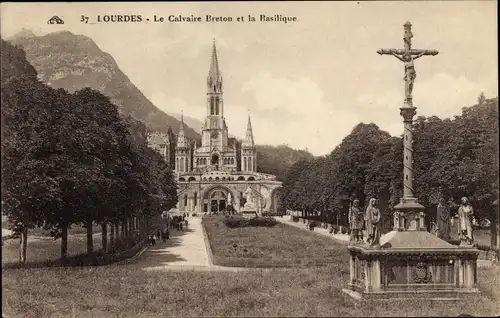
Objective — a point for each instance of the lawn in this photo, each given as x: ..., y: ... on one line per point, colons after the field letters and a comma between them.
x: 278, y: 246
x: 43, y: 248
x: 126, y: 291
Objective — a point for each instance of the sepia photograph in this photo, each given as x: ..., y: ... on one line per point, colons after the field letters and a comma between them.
x: 250, y: 159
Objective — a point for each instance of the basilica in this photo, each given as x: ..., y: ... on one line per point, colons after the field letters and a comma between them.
x: 217, y: 173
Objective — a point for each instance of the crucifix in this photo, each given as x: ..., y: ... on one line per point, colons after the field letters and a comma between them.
x: 407, y: 55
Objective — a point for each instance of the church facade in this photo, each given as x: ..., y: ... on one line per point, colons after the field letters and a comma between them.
x: 217, y: 173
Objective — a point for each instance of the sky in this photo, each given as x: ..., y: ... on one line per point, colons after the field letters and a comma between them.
x: 305, y: 83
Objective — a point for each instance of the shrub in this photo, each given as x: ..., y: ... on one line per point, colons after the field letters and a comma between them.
x: 263, y: 221
x: 295, y: 218
x: 238, y: 221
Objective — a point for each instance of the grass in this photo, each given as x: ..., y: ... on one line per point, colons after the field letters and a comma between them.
x: 127, y: 291
x: 277, y: 246
x: 42, y: 248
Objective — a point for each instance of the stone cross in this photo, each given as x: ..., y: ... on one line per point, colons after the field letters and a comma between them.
x: 409, y: 213
x: 407, y: 55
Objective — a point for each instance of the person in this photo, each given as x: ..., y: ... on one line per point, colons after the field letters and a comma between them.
x: 154, y: 239
x: 443, y: 223
x: 167, y: 234
x: 465, y: 214
x: 158, y: 233
x: 355, y: 221
x: 372, y: 219
x: 180, y: 226
x: 186, y: 223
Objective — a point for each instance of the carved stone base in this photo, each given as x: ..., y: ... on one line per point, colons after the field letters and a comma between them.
x: 412, y: 264
x: 409, y: 215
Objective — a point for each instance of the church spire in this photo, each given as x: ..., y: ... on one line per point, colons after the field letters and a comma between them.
x: 181, y: 138
x: 214, y: 79
x: 248, y: 142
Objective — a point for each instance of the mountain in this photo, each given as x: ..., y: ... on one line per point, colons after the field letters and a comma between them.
x: 190, y: 121
x: 69, y: 61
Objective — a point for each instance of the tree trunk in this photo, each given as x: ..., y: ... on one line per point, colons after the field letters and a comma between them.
x: 112, y: 236
x: 117, y: 232
x: 104, y: 229
x: 23, y: 246
x: 64, y: 243
x: 125, y: 226
x: 122, y: 231
x: 90, y: 241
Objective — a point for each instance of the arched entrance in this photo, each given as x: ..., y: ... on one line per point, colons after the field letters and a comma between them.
x: 217, y: 198
x: 218, y: 201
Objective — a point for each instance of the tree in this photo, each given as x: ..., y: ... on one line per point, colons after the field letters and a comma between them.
x: 27, y: 122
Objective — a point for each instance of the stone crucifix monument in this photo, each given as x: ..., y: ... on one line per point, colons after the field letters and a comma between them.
x: 410, y: 262
x: 408, y: 210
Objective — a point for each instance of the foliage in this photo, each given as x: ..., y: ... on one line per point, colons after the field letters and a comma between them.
x: 276, y: 160
x: 239, y: 221
x: 453, y: 158
x: 72, y: 159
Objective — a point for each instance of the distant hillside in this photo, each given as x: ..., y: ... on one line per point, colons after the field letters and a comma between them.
x: 190, y: 121
x: 277, y: 160
x: 69, y: 61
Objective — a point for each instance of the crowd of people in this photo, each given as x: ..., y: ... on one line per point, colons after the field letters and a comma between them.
x: 177, y: 222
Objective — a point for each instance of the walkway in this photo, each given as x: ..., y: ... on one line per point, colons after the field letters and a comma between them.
x: 184, y: 251
x: 185, y: 248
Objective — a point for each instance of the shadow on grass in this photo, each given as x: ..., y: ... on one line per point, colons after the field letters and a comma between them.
x: 98, y: 258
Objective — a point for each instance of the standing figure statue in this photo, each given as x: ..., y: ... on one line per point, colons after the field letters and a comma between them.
x: 465, y: 215
x: 410, y: 73
x: 355, y: 221
x: 249, y: 198
x: 372, y: 219
x: 443, y: 220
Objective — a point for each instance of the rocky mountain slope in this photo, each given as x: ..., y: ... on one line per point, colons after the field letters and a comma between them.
x: 69, y: 61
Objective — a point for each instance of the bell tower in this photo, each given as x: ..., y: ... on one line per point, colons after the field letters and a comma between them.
x: 214, y: 133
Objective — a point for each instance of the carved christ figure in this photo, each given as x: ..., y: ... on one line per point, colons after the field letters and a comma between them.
x: 410, y: 73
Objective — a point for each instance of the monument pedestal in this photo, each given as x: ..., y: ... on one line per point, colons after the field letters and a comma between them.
x: 411, y: 263
x: 249, y: 212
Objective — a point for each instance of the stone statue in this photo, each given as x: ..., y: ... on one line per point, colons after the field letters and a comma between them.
x: 356, y: 221
x: 372, y: 219
x: 443, y: 220
x: 465, y: 215
x: 249, y: 198
x: 410, y: 73
x: 229, y: 199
